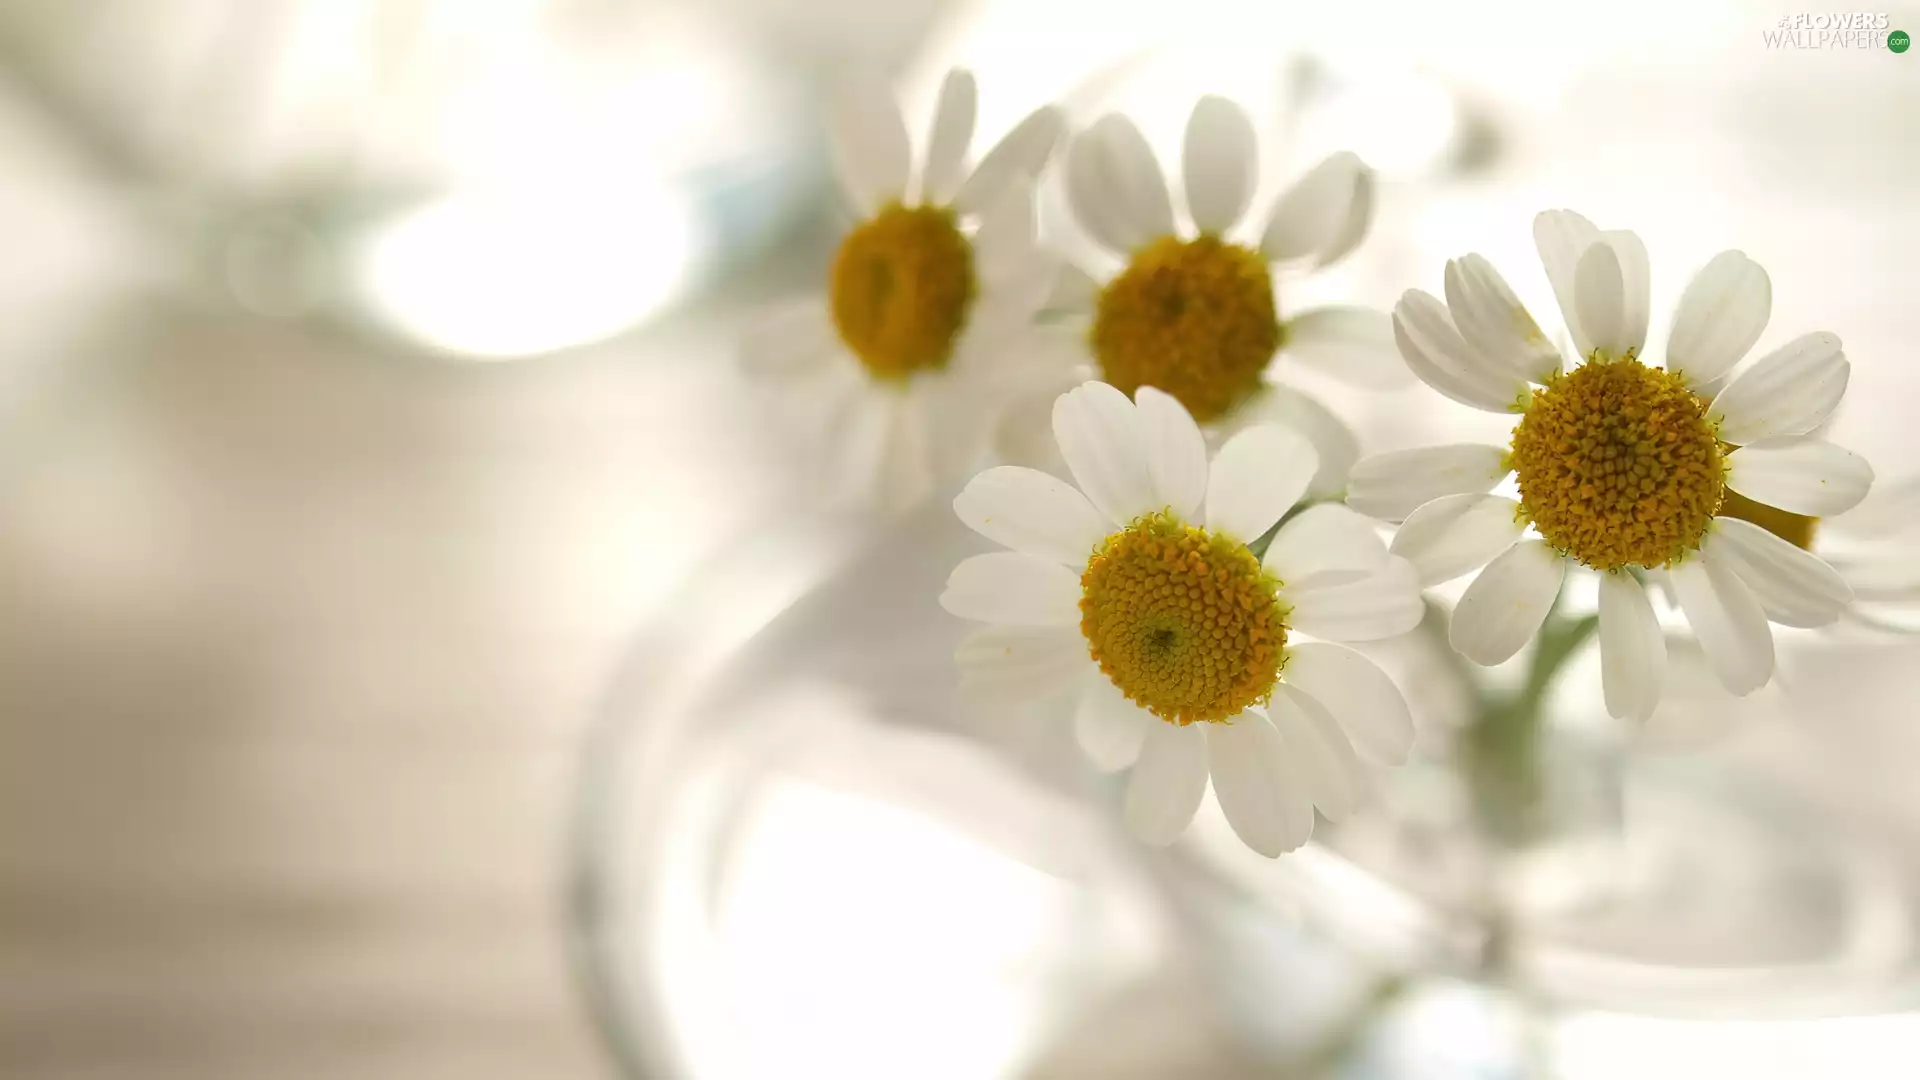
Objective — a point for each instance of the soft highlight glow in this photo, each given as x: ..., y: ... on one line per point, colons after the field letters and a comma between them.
x: 528, y: 272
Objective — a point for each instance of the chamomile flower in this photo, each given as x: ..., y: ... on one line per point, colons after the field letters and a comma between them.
x: 1189, y: 306
x: 1137, y: 594
x: 932, y: 285
x: 1622, y: 467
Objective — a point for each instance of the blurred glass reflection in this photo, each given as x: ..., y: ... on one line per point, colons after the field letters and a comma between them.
x: 808, y: 851
x: 475, y: 274
x: 499, y: 179
x: 854, y: 932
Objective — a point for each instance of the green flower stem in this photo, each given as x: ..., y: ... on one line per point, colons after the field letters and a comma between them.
x: 1500, y: 750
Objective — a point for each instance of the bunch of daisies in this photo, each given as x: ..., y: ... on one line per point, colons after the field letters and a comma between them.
x: 1187, y: 593
x: 926, y: 335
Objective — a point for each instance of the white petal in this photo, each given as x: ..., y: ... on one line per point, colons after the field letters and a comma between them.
x: 1254, y: 778
x: 1021, y: 664
x: 1393, y: 485
x: 1021, y: 154
x: 870, y: 142
x: 1891, y: 510
x: 1135, y: 175
x: 1099, y: 436
x: 858, y: 446
x: 1352, y: 344
x: 1004, y: 244
x: 1176, y: 451
x: 1787, y: 392
x: 1095, y: 206
x: 1381, y: 605
x: 958, y: 422
x: 1722, y: 313
x: 1315, y: 217
x: 1001, y: 330
x: 1493, y: 321
x: 1562, y: 237
x: 1506, y: 604
x: 1369, y: 707
x: 1168, y: 782
x: 1335, y: 443
x: 1354, y: 229
x: 1029, y: 511
x: 1115, y: 186
x: 1601, y: 295
x: 951, y: 135
x: 1633, y: 651
x: 1635, y: 286
x: 1255, y: 478
x: 1014, y: 588
x: 1326, y: 762
x: 1024, y: 432
x: 1794, y: 587
x: 1806, y: 476
x: 1883, y: 579
x: 1729, y: 622
x: 1323, y: 539
x: 1441, y: 358
x: 1108, y: 727
x: 1043, y: 361
x: 1217, y: 160
x: 789, y: 338
x: 1457, y: 533
x: 819, y: 401
x: 904, y: 473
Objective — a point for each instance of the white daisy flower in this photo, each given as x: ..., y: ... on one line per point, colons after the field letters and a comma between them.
x: 1622, y: 467
x: 1189, y: 306
x: 934, y: 284
x: 1137, y: 593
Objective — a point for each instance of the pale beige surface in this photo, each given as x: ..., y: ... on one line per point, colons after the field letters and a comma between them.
x: 295, y: 646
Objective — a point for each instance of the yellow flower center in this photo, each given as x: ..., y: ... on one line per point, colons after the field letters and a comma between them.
x: 1194, y: 318
x: 1618, y: 465
x: 900, y: 288
x: 1185, y: 623
x: 1795, y: 529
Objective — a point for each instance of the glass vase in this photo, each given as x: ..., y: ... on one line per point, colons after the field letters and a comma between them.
x: 797, y: 851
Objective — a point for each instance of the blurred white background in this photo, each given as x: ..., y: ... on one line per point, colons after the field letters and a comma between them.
x: 366, y: 383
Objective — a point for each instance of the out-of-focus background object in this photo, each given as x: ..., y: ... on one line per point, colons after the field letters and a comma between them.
x: 365, y: 388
